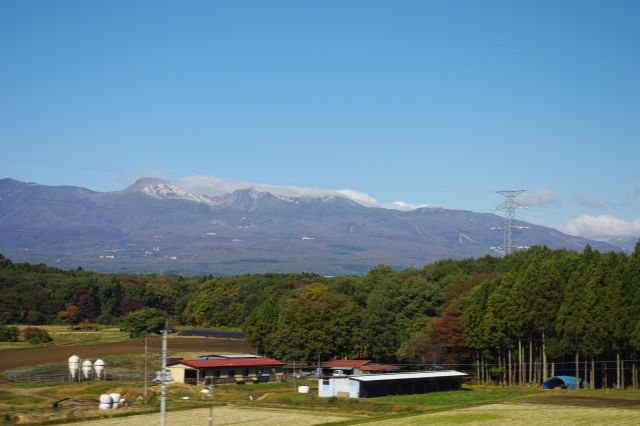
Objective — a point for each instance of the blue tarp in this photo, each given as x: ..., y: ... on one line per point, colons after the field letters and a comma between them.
x: 565, y: 382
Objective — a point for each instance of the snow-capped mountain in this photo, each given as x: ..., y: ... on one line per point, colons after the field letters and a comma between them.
x: 164, y: 190
x: 155, y: 226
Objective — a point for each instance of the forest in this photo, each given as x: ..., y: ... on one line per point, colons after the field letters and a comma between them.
x: 512, y: 320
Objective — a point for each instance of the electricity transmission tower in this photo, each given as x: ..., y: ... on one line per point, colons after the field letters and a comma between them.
x: 509, y: 206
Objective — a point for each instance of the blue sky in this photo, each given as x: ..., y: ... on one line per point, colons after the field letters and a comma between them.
x: 417, y: 101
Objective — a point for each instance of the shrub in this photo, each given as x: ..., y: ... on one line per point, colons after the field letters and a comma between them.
x: 36, y: 335
x: 9, y: 333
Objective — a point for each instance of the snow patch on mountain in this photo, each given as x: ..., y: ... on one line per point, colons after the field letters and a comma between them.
x: 164, y: 190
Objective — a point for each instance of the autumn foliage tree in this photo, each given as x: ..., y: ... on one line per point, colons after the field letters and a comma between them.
x: 71, y: 315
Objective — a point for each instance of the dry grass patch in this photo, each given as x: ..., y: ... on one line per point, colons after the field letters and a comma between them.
x: 515, y: 414
x: 227, y: 415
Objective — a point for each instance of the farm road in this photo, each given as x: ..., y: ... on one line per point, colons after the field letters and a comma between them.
x: 24, y: 357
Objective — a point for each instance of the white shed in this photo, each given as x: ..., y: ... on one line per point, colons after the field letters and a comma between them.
x: 370, y: 385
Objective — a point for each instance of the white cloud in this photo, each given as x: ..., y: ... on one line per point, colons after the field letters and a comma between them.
x: 601, y: 227
x: 358, y: 197
x: 541, y: 198
x: 212, y: 185
x: 402, y: 205
x: 594, y: 202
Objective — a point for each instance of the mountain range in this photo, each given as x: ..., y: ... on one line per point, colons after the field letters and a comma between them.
x: 155, y: 226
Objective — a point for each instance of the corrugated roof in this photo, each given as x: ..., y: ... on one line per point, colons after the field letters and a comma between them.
x: 406, y: 376
x: 346, y: 363
x: 233, y: 362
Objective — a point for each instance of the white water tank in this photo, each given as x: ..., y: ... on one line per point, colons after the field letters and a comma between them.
x: 104, y: 406
x: 115, y: 405
x: 106, y: 398
x: 74, y: 365
x: 115, y: 397
x: 303, y: 389
x: 98, y: 367
x: 87, y: 366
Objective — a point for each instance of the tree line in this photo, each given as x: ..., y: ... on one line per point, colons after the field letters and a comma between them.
x: 557, y: 311
x: 513, y: 320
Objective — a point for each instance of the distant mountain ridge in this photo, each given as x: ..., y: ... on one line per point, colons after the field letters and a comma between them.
x: 155, y: 226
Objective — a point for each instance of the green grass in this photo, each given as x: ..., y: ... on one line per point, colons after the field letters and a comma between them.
x: 62, y: 335
x: 87, y: 337
x: 13, y: 345
x: 468, y: 395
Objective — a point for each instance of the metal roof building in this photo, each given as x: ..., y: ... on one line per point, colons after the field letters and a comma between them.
x: 371, y: 385
x: 225, y: 370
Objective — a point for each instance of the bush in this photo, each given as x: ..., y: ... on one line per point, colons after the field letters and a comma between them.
x: 9, y: 333
x: 36, y: 335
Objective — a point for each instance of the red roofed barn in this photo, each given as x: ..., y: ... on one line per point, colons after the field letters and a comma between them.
x: 239, y: 370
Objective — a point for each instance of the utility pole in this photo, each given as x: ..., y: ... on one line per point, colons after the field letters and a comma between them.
x: 146, y: 369
x: 163, y: 398
x: 163, y: 377
x: 211, y: 405
x: 508, y: 206
x: 294, y: 374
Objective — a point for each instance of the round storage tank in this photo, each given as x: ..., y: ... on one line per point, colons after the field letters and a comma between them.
x: 115, y: 397
x: 87, y: 366
x: 98, y: 367
x: 74, y: 365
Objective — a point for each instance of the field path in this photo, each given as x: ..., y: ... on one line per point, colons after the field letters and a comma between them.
x: 24, y: 357
x: 225, y: 416
x: 508, y: 414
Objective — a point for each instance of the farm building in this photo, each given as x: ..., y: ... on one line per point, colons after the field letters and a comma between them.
x: 370, y: 385
x: 348, y: 367
x: 225, y: 370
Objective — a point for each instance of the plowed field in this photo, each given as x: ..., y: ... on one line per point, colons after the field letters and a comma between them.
x: 24, y: 357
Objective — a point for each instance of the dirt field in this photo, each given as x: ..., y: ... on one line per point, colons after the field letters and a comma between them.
x: 23, y: 357
x: 519, y: 414
x: 225, y: 416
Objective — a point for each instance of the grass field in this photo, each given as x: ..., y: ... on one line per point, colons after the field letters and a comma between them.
x: 228, y: 416
x: 522, y: 414
x: 62, y: 335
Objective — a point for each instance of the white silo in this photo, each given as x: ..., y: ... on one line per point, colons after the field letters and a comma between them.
x: 99, y: 367
x: 74, y: 365
x: 86, y: 368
